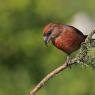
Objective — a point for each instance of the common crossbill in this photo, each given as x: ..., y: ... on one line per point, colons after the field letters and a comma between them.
x: 65, y: 37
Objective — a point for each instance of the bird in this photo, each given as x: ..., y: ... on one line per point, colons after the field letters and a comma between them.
x: 67, y: 38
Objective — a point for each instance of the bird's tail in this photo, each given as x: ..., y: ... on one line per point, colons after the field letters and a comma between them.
x: 86, y: 36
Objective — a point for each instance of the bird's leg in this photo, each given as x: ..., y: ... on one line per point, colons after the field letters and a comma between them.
x: 68, y: 61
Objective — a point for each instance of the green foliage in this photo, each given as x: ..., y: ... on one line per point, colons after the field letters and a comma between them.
x: 24, y: 60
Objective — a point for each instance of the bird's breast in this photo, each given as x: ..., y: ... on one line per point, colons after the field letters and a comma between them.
x: 68, y: 42
x: 58, y: 42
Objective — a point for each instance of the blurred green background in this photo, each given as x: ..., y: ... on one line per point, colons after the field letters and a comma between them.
x: 24, y: 59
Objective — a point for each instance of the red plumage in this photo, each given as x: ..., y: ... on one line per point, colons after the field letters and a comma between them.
x: 64, y: 37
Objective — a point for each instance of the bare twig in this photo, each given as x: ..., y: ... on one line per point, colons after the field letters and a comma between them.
x: 49, y: 76
x: 81, y: 57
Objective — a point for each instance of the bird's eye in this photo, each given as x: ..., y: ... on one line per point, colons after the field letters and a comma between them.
x: 49, y: 33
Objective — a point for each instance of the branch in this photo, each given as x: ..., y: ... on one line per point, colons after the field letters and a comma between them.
x: 82, y: 57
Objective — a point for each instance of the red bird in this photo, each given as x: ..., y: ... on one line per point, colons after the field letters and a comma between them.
x: 65, y: 37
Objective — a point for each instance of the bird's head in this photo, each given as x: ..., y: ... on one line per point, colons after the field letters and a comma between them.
x: 50, y: 32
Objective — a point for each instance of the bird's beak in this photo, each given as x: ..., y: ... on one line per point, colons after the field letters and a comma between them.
x: 46, y: 40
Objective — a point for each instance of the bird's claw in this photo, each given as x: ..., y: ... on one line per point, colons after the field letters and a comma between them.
x: 68, y: 62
